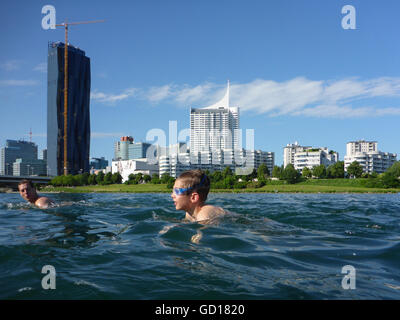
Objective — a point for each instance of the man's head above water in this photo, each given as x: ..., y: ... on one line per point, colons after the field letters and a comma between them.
x: 28, y: 193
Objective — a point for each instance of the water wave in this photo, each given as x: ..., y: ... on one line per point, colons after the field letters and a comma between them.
x: 137, y: 246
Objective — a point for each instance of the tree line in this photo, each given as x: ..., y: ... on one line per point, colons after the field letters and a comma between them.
x: 388, y: 179
x: 227, y: 179
x: 86, y: 179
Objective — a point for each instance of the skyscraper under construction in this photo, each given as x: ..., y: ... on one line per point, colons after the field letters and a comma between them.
x: 78, y: 111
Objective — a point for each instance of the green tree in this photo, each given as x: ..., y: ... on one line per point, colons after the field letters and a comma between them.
x: 155, y: 179
x: 227, y: 172
x: 277, y: 172
x: 78, y: 180
x: 146, y: 178
x: 116, y: 178
x: 262, y: 172
x: 355, y: 169
x: 92, y: 179
x: 85, y: 179
x: 290, y: 174
x: 389, y: 181
x: 56, y: 181
x: 336, y: 170
x: 165, y: 178
x: 394, y: 169
x: 229, y: 181
x: 100, y: 177
x: 306, y: 173
x: 373, y: 175
x: 216, y: 176
x: 108, y: 178
x: 252, y: 175
x: 69, y: 180
x: 239, y: 185
x: 319, y: 171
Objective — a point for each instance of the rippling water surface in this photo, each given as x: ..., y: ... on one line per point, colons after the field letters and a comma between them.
x: 135, y: 246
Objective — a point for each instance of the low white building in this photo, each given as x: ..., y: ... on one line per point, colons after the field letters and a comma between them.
x: 242, y: 161
x: 127, y: 167
x: 367, y: 155
x: 289, y: 152
x: 254, y: 159
x: 375, y: 161
x: 314, y: 157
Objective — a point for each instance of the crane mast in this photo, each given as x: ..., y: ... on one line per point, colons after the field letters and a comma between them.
x: 65, y: 25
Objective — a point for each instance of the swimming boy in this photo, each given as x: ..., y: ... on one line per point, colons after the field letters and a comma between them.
x: 28, y: 192
x: 190, y: 194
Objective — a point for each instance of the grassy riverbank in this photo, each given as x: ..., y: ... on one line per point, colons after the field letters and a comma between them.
x: 309, y: 186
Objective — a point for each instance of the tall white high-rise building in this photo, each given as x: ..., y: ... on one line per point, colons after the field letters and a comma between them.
x: 214, y: 127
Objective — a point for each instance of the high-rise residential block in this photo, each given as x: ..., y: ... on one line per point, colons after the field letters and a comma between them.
x: 214, y: 127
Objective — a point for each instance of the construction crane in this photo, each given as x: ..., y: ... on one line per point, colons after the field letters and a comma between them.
x: 65, y: 25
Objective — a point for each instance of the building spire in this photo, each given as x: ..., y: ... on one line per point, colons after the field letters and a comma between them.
x: 227, y: 93
x: 224, y: 102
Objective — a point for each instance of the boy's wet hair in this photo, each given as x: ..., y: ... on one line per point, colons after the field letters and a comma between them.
x: 197, y: 180
x: 25, y: 181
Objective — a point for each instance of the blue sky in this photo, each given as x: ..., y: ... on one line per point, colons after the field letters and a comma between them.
x: 295, y: 73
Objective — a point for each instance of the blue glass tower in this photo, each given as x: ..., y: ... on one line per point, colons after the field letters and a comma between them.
x: 78, y: 143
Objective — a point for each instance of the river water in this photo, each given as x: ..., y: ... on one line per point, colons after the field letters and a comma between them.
x: 136, y: 246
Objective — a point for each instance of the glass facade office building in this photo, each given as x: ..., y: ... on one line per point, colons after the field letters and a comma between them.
x: 138, y: 150
x: 14, y: 150
x: 78, y: 143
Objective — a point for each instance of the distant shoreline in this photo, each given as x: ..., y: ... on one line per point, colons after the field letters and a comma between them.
x: 162, y: 188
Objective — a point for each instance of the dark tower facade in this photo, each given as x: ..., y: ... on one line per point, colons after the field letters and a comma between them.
x: 78, y: 113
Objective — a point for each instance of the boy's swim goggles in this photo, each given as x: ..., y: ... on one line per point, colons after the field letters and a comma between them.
x: 180, y: 191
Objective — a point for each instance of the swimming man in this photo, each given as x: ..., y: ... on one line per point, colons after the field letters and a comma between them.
x: 28, y: 192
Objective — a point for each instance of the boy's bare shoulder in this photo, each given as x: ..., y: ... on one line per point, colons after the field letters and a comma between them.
x: 43, y: 203
x: 210, y: 212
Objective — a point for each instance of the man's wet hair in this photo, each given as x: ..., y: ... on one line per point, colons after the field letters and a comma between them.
x: 25, y: 181
x: 198, y: 181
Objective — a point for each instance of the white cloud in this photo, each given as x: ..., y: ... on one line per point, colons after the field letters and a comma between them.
x: 296, y: 97
x: 111, y: 99
x: 11, y: 65
x: 19, y: 83
x: 156, y: 94
x: 41, y: 67
x: 200, y: 93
